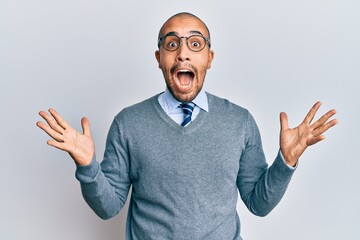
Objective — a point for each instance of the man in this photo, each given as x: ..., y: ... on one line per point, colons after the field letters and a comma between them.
x: 186, y: 153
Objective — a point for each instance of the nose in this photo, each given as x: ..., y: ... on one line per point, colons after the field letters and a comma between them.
x: 183, y: 52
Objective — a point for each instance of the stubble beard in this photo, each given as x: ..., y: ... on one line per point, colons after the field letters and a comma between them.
x: 186, y: 97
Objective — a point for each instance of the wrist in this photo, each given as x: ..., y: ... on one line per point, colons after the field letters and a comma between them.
x: 83, y: 161
x: 289, y: 158
x: 291, y: 163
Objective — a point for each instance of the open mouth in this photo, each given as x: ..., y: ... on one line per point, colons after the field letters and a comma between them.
x: 184, y: 78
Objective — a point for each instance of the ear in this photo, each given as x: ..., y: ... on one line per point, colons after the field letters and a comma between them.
x: 210, y: 58
x: 157, y: 56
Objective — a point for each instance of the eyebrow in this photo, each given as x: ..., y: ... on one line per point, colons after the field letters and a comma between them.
x: 196, y: 32
x: 176, y: 33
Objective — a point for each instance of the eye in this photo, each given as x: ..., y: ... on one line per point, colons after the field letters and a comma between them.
x: 195, y: 44
x: 172, y: 45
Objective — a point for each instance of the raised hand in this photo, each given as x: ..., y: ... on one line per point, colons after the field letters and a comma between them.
x: 294, y: 141
x: 80, y: 146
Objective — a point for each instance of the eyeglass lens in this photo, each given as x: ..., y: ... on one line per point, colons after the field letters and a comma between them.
x: 195, y: 43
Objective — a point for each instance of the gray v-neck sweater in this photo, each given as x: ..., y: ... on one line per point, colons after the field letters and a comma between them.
x: 184, y: 180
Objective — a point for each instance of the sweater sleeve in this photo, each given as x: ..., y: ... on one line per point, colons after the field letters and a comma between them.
x: 105, y: 186
x: 261, y: 187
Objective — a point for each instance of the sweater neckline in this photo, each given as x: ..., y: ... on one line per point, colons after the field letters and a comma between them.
x: 198, y: 122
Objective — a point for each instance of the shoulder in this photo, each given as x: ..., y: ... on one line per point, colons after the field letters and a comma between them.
x: 224, y: 106
x: 137, y: 111
x: 231, y: 116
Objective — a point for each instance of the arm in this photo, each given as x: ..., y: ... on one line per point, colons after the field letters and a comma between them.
x: 105, y: 187
x: 262, y: 188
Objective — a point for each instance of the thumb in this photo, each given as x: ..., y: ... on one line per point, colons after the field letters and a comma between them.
x: 85, y: 124
x: 283, y: 122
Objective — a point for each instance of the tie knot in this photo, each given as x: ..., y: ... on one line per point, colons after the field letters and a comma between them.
x: 188, y: 110
x: 187, y: 107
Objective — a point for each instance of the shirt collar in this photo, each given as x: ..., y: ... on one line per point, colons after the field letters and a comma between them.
x: 171, y: 103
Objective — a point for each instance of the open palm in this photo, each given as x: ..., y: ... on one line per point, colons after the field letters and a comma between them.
x: 80, y: 146
x: 294, y: 141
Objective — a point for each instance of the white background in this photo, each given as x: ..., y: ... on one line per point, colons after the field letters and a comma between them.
x: 94, y: 58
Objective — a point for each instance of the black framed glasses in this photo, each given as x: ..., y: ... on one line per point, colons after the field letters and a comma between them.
x: 172, y: 42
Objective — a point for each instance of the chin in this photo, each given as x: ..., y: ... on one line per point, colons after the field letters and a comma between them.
x: 185, y: 97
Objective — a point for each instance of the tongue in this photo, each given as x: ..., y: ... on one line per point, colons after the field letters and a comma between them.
x: 184, y: 78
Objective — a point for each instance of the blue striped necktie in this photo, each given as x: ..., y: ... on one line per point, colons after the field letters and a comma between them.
x: 188, y: 110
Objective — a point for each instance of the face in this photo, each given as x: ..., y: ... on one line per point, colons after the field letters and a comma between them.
x: 184, y: 70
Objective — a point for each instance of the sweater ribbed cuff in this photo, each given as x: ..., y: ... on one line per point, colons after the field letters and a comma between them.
x: 88, y: 173
x: 282, y: 167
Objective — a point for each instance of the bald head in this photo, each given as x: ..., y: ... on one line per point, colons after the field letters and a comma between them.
x: 183, y: 16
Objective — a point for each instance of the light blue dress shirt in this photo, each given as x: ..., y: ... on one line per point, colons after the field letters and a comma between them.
x: 172, y: 109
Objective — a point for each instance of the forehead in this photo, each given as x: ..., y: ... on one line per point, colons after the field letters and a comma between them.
x: 184, y: 25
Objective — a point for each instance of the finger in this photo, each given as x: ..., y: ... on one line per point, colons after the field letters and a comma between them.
x: 324, y: 119
x: 59, y: 119
x: 323, y: 128
x: 85, y: 124
x: 315, y: 140
x: 57, y: 145
x: 310, y: 116
x: 52, y: 123
x: 284, y: 125
x: 51, y: 132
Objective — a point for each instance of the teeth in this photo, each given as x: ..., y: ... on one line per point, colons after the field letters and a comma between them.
x: 184, y: 70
